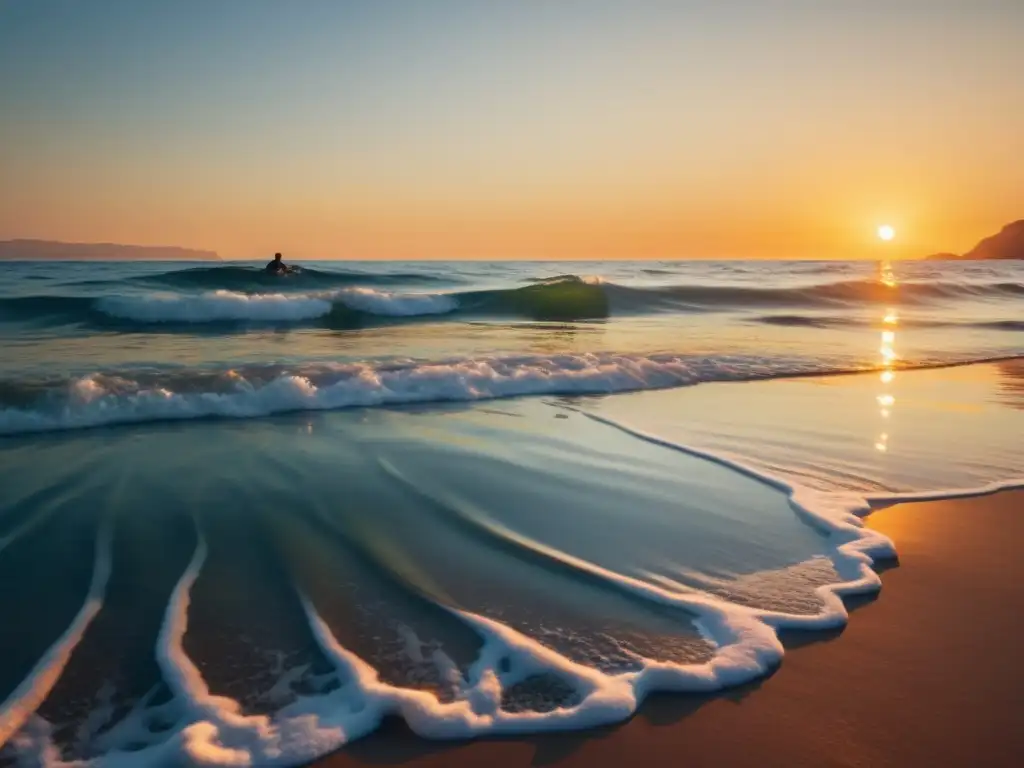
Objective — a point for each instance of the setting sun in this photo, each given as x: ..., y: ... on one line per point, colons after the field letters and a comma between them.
x: 885, y: 232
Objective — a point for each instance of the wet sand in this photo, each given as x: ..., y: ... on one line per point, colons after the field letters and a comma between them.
x: 930, y: 673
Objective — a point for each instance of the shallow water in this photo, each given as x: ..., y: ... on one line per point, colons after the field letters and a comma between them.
x: 241, y: 526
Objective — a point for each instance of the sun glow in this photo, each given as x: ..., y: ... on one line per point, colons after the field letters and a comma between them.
x: 885, y: 232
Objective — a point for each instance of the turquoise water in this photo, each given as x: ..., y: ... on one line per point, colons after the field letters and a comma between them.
x: 90, y: 344
x: 246, y: 517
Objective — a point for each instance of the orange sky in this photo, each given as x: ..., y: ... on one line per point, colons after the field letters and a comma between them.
x: 468, y: 130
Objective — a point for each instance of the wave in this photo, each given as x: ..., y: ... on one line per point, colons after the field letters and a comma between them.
x: 583, y: 297
x: 230, y: 306
x: 567, y: 278
x: 245, y: 278
x: 842, y: 293
x: 1003, y: 325
x: 566, y: 297
x: 341, y: 308
x: 804, y: 321
x: 839, y: 321
x: 114, y: 398
x: 212, y: 307
x: 560, y: 298
x: 101, y: 398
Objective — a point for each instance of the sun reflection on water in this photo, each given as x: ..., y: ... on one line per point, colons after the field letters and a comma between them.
x: 886, y: 400
x: 885, y: 274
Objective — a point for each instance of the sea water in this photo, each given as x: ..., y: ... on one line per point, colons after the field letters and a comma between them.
x: 244, y: 517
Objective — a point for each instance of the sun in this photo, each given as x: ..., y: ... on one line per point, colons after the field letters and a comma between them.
x: 885, y: 232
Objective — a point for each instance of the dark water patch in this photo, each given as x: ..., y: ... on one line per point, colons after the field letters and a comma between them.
x: 803, y: 321
x: 1003, y: 325
x: 46, y: 572
x: 46, y: 309
x: 246, y: 278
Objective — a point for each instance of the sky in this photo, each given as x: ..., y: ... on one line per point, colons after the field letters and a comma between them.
x: 513, y: 129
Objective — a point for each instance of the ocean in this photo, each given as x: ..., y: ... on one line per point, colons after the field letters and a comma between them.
x: 244, y: 518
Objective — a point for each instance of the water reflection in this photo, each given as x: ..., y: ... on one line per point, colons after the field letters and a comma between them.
x: 885, y: 274
x: 1011, y: 384
x: 886, y: 400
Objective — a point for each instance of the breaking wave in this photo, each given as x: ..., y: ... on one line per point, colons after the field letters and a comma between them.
x: 103, y: 398
x: 230, y: 306
x: 115, y: 398
x: 562, y: 298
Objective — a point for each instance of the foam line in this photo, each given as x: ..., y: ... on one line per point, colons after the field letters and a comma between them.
x: 99, y: 399
x: 217, y: 306
x: 34, y: 689
x: 180, y: 674
x: 233, y: 306
x: 878, y: 501
x: 838, y: 515
x: 477, y: 710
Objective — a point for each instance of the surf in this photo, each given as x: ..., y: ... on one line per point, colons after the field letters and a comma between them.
x: 563, y: 298
x: 126, y: 397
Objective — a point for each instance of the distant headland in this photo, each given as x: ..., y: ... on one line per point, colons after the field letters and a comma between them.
x: 49, y: 250
x: 1008, y: 243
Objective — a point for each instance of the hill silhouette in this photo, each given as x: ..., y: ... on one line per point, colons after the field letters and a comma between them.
x: 1008, y: 243
x: 51, y: 250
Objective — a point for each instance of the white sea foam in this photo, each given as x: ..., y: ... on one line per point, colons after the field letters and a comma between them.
x: 233, y: 306
x: 216, y: 306
x: 95, y: 399
x: 396, y: 304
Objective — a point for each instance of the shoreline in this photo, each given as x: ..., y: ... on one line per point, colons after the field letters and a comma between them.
x: 901, y: 684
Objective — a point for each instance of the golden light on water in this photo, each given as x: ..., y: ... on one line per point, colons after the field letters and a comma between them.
x: 885, y: 275
x: 888, y: 352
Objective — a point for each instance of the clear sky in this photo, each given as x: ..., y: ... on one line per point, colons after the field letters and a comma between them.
x: 513, y: 128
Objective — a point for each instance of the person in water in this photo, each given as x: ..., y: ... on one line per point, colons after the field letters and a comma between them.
x: 277, y: 266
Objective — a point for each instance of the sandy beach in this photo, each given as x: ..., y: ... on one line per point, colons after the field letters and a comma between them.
x: 929, y: 673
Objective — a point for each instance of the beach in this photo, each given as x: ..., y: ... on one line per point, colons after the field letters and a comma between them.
x: 927, y: 674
